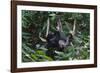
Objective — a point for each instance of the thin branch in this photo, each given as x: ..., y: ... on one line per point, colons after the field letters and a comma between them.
x: 74, y: 27
x: 48, y: 25
x: 59, y: 24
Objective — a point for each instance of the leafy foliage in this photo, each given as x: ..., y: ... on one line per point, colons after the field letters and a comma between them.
x: 34, y: 23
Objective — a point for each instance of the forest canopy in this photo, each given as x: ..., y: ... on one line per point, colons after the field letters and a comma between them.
x: 34, y: 25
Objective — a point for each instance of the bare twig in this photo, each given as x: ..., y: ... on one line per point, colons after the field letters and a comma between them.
x: 48, y: 25
x: 74, y: 27
x: 59, y: 24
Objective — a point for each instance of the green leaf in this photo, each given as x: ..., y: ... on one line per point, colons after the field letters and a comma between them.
x: 48, y: 58
x: 40, y: 52
x: 34, y: 57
